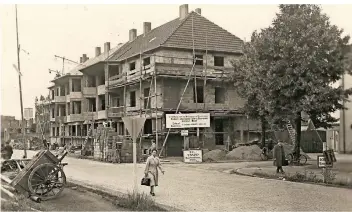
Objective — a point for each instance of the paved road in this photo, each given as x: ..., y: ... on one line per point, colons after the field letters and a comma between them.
x: 205, y: 189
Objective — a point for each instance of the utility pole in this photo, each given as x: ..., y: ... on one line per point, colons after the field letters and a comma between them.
x: 20, y: 85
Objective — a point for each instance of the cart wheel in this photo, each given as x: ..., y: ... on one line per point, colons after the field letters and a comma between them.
x: 46, y: 181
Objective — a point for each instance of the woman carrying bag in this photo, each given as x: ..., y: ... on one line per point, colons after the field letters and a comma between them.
x: 151, y: 171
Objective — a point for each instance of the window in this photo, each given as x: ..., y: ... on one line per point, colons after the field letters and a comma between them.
x: 146, y: 61
x: 57, y: 92
x: 199, y: 59
x: 53, y: 131
x: 219, y: 130
x: 52, y: 94
x: 199, y: 96
x: 90, y: 81
x: 219, y: 95
x: 218, y: 61
x: 114, y: 70
x: 121, y: 128
x: 68, y: 109
x: 148, y: 127
x: 58, y: 131
x: 91, y: 105
x: 52, y: 112
x: 132, y: 66
x: 115, y: 101
x: 133, y: 99
x: 146, y: 94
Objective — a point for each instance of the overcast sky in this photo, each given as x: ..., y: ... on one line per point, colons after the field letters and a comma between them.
x: 73, y: 30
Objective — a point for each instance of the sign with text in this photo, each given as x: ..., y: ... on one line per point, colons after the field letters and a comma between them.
x: 189, y: 120
x: 321, y: 162
x: 184, y: 132
x: 192, y: 156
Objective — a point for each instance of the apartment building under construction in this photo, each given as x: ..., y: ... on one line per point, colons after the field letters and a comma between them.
x: 182, y: 66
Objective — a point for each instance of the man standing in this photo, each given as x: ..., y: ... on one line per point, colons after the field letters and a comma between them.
x: 279, y: 157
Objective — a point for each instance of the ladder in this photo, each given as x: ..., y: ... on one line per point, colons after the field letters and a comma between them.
x: 88, y: 134
x: 291, y: 131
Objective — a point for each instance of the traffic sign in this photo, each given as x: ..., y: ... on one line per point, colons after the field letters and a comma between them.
x: 322, y: 162
x: 134, y: 126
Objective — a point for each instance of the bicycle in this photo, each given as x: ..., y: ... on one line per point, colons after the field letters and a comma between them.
x: 264, y: 154
x: 301, y: 160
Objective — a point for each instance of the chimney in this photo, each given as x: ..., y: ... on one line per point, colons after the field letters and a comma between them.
x: 97, y: 51
x: 183, y: 11
x: 147, y: 26
x: 80, y: 59
x: 133, y: 34
x: 84, y: 58
x: 199, y: 11
x: 106, y: 46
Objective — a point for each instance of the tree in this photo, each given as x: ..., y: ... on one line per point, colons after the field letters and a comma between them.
x: 303, y: 54
x: 247, y: 76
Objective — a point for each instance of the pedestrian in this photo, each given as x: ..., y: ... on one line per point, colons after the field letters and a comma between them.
x: 279, y: 157
x: 151, y: 170
x: 8, y: 151
x: 45, y: 144
x: 152, y: 147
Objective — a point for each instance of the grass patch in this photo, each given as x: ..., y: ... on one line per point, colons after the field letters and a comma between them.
x: 309, y: 176
x: 139, y: 202
x: 131, y: 201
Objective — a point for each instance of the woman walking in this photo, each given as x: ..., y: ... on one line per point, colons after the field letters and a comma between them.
x: 151, y: 170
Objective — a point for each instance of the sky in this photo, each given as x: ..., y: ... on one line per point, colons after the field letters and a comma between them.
x: 72, y: 30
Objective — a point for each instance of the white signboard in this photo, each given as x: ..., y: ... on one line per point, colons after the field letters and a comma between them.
x: 322, y: 162
x: 189, y: 120
x: 184, y: 132
x: 192, y: 156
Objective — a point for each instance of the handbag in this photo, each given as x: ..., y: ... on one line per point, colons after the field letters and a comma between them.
x: 145, y: 181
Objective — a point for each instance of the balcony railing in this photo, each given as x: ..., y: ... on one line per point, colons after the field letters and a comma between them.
x: 75, y: 95
x: 102, y: 114
x: 101, y: 89
x: 89, y: 91
x: 116, y: 112
x: 60, y: 99
x: 75, y: 117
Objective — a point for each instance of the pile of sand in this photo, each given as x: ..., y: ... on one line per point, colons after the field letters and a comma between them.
x: 214, y: 155
x: 245, y: 153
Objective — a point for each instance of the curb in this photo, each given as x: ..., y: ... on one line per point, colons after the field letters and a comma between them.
x: 112, y: 193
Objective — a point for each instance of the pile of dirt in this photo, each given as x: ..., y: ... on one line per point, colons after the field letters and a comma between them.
x: 245, y: 153
x: 214, y: 155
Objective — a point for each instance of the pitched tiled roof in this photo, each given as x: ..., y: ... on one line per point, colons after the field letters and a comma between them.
x: 178, y: 34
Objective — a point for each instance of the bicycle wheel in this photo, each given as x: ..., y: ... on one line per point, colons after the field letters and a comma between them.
x: 263, y: 157
x: 303, y: 159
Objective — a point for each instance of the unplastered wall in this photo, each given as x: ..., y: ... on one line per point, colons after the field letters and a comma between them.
x: 136, y: 88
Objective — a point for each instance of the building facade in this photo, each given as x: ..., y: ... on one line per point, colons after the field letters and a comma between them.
x: 182, y: 66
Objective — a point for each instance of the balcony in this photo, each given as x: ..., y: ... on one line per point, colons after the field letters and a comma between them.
x: 60, y: 119
x: 75, y: 95
x: 90, y: 115
x: 89, y: 91
x: 60, y: 99
x: 75, y: 117
x: 101, y: 89
x: 115, y: 112
x: 102, y: 114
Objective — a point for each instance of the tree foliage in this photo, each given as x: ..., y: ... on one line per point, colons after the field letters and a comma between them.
x: 291, y: 65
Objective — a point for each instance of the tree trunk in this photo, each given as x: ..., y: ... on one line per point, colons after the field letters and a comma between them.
x: 263, y: 130
x: 298, y: 136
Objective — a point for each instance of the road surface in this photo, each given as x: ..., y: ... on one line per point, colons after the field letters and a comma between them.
x: 201, y: 188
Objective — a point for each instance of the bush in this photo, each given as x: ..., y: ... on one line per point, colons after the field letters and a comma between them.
x: 21, y: 204
x: 138, y: 202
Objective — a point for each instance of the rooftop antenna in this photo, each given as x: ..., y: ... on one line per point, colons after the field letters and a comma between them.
x: 63, y: 62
